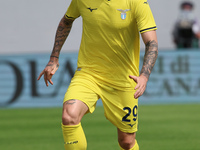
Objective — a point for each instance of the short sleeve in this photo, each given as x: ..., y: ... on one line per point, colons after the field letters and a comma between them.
x: 144, y: 17
x: 73, y: 11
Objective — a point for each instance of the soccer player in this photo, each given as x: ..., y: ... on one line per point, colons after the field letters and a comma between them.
x: 108, y: 66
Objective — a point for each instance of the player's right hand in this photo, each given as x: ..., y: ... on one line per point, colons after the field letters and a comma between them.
x: 49, y: 71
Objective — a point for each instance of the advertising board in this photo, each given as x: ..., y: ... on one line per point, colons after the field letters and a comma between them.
x: 174, y: 79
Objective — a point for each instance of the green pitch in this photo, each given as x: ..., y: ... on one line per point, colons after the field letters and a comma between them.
x: 161, y: 127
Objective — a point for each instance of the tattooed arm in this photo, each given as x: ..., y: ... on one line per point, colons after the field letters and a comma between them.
x: 62, y: 32
x: 151, y: 53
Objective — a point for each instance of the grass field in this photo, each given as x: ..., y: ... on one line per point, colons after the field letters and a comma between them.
x: 161, y: 127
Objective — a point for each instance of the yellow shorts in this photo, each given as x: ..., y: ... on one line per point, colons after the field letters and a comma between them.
x: 120, y: 107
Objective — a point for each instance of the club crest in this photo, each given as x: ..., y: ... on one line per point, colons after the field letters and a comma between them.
x: 123, y: 13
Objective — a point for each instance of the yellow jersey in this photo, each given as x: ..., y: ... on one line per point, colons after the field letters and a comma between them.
x: 110, y: 45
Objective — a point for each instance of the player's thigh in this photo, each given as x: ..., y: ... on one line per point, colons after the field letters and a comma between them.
x: 121, y: 108
x: 80, y: 98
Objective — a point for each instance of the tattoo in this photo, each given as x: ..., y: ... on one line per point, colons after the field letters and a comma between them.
x: 151, y: 53
x: 49, y: 65
x: 55, y: 56
x: 62, y: 33
x: 70, y: 102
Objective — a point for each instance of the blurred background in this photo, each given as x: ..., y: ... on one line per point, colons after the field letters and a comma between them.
x: 27, y: 31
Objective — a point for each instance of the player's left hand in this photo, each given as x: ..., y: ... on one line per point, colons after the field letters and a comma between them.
x: 141, y: 85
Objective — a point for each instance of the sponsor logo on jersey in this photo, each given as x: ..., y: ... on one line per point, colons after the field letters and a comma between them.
x: 91, y: 9
x: 131, y: 125
x: 72, y: 142
x: 123, y: 13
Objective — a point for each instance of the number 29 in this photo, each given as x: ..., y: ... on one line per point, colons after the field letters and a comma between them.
x: 134, y: 112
